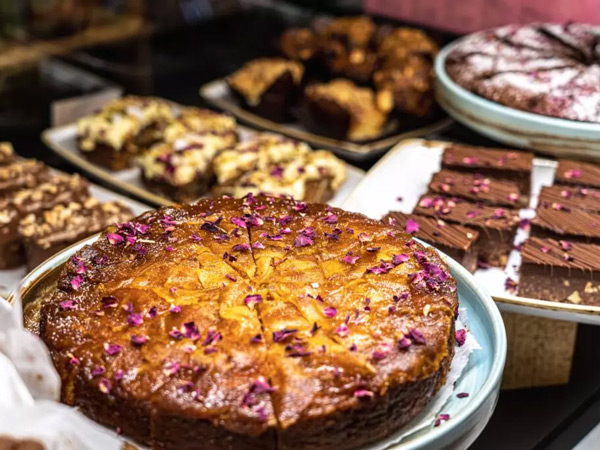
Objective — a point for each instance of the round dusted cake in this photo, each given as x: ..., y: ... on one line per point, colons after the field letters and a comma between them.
x: 256, y: 323
x: 548, y: 69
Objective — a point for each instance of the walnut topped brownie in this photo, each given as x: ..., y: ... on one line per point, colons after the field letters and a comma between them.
x: 561, y: 271
x: 404, y: 43
x: 299, y: 44
x: 264, y: 326
x: 268, y: 86
x: 476, y: 187
x: 272, y: 164
x: 343, y: 110
x: 497, y: 226
x: 48, y: 233
x: 7, y: 153
x: 456, y: 241
x: 504, y: 164
x: 546, y: 69
x: 22, y: 174
x: 577, y: 173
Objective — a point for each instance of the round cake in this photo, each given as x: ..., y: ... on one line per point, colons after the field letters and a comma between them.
x: 548, y: 69
x: 255, y: 323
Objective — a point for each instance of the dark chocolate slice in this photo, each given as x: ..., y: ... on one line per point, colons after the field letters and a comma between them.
x: 570, y: 197
x: 456, y: 241
x: 560, y: 271
x: 476, y: 187
x: 497, y: 226
x: 557, y: 222
x: 577, y: 173
x: 510, y: 165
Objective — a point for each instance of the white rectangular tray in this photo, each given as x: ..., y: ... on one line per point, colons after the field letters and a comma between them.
x: 399, y: 179
x: 63, y: 141
x: 9, y: 279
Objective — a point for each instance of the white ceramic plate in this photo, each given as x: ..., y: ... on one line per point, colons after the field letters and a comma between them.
x: 558, y: 137
x: 217, y: 94
x: 63, y: 141
x: 406, y: 171
x: 480, y: 378
x: 11, y: 278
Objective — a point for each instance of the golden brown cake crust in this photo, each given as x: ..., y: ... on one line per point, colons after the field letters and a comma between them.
x: 252, y: 323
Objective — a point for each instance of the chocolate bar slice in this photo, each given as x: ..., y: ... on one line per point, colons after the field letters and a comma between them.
x: 59, y: 189
x: 570, y: 197
x: 477, y: 187
x: 510, y: 165
x: 7, y: 153
x: 48, y: 233
x: 22, y: 174
x: 560, y: 222
x: 497, y: 226
x: 577, y: 173
x: 268, y: 86
x: 561, y: 271
x: 456, y: 241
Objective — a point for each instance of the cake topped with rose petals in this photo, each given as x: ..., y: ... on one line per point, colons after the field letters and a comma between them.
x: 266, y: 323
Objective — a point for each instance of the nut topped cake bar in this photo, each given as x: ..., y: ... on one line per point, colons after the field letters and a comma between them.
x: 22, y: 174
x: 561, y: 271
x: 343, y: 110
x: 265, y: 323
x: 55, y: 229
x: 456, y: 241
x: 477, y: 187
x: 123, y: 129
x: 577, y: 173
x: 496, y: 226
x: 268, y: 86
x: 201, y: 121
x: 279, y: 166
x: 509, y: 165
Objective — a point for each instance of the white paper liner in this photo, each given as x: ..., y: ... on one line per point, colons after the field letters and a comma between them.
x: 30, y: 390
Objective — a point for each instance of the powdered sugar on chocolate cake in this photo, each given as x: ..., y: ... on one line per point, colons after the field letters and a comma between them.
x: 547, y: 69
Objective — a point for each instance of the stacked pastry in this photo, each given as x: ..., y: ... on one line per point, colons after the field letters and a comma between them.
x: 394, y: 67
x: 42, y: 211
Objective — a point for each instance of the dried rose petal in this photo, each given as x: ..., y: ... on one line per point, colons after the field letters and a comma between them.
x: 330, y: 218
x: 573, y: 173
x: 283, y: 334
x: 363, y: 393
x: 171, y: 368
x: 349, y: 259
x: 257, y: 339
x: 241, y: 248
x: 404, y: 343
x: 67, y: 305
x: 399, y: 259
x: 460, y: 336
x: 462, y: 395
x: 112, y: 349
x: 135, y: 319
x: 566, y: 245
x: 417, y: 337
x: 412, y: 226
x: 239, y: 222
x: 76, y: 282
x: 342, y: 330
x: 330, y: 311
x: 252, y: 300
x: 104, y: 386
x: 115, y: 239
x: 138, y: 339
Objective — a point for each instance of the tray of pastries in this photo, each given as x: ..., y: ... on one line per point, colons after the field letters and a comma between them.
x: 526, y: 227
x: 346, y: 84
x: 165, y: 153
x: 42, y: 211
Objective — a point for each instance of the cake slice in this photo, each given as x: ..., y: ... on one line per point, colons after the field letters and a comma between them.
x: 456, y: 241
x: 343, y: 110
x: 477, y: 187
x: 570, y: 197
x: 559, y: 222
x: 275, y: 165
x: 577, y: 173
x: 193, y: 120
x: 48, y: 233
x: 561, y: 271
x: 510, y: 165
x: 496, y: 226
x: 268, y: 86
x: 59, y: 189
